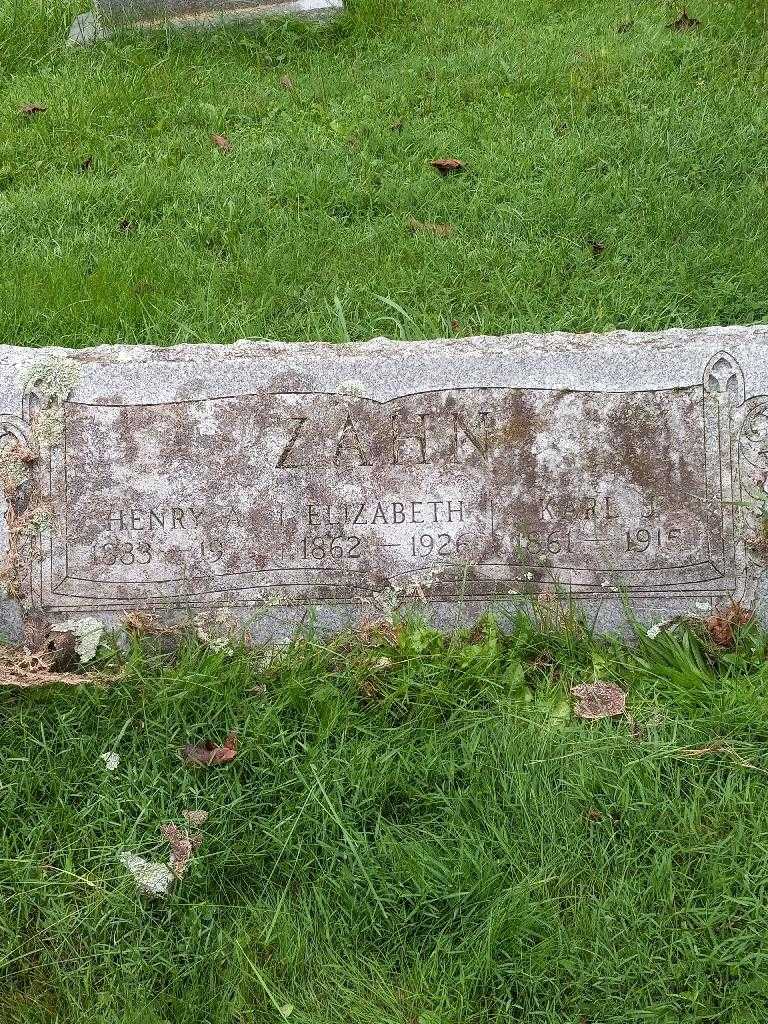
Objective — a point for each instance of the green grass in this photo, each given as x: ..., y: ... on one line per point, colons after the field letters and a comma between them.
x: 650, y: 141
x: 432, y: 841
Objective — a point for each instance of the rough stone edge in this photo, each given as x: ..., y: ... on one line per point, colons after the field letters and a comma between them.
x: 247, y: 348
x: 88, y: 28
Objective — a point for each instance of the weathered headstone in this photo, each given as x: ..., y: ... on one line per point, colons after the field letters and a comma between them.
x: 281, y: 482
x: 111, y: 15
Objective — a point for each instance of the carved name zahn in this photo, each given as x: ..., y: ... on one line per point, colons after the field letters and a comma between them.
x: 395, y: 439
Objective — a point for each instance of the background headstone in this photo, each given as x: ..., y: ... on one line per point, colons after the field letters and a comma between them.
x: 111, y: 15
x: 280, y: 482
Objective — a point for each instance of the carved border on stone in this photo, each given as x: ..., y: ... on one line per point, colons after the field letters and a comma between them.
x: 18, y: 451
x: 43, y: 399
x: 736, y: 488
x: 724, y: 391
x: 753, y: 450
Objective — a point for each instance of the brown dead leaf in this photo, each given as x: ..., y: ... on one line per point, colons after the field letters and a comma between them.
x: 86, y: 165
x: 183, y: 846
x: 598, y: 248
x: 222, y: 143
x: 448, y: 165
x: 139, y: 623
x: 32, y: 109
x: 594, y: 815
x: 380, y: 631
x: 685, y: 23
x: 724, y: 624
x: 427, y: 228
x: 286, y: 82
x: 598, y: 700
x: 455, y: 326
x: 209, y: 754
x: 126, y: 226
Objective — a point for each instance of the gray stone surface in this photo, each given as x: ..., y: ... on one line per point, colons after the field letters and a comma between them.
x: 112, y: 15
x: 276, y: 483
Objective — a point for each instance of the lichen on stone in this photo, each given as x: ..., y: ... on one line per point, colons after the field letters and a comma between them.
x: 53, y: 378
x: 13, y: 470
x: 48, y: 426
x: 38, y: 518
x: 352, y: 388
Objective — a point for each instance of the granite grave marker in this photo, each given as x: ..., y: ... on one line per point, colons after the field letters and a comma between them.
x: 275, y: 482
x: 111, y: 15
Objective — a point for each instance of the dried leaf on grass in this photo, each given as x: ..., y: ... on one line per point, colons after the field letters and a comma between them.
x: 375, y: 632
x: 139, y: 623
x: 111, y: 760
x: 183, y: 845
x: 32, y: 109
x: 685, y: 23
x: 598, y: 700
x: 724, y: 624
x: 447, y: 166
x: 222, y: 143
x: 156, y: 879
x: 370, y: 686
x: 208, y: 754
x: 426, y: 228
